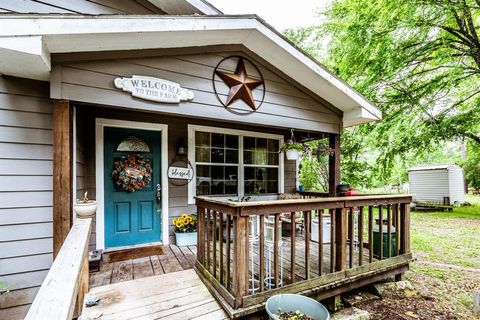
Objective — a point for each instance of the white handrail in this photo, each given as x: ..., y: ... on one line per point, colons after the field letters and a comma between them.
x: 67, y: 278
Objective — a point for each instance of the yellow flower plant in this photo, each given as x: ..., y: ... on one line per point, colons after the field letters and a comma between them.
x: 185, y: 223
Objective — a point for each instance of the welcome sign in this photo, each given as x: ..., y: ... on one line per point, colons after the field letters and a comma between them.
x: 154, y: 89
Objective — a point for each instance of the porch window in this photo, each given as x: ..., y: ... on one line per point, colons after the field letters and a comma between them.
x: 231, y: 163
x: 216, y: 158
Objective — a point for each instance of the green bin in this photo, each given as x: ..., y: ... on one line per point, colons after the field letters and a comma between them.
x: 376, y: 241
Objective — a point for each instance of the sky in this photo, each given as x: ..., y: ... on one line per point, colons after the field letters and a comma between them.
x: 280, y: 14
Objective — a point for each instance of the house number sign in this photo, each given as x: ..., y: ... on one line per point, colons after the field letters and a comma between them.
x: 154, y: 89
x: 180, y: 173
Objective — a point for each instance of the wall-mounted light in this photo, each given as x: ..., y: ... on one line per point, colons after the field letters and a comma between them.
x: 181, y: 148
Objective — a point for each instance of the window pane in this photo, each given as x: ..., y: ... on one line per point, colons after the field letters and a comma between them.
x: 248, y: 143
x: 260, y: 151
x: 231, y: 156
x: 202, y: 139
x: 218, y: 140
x: 218, y: 155
x: 273, y: 145
x: 217, y: 180
x: 231, y: 141
x: 273, y: 158
x: 262, y: 180
x: 202, y: 154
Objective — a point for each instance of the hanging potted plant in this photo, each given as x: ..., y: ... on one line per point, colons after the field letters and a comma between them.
x: 85, y: 208
x: 292, y: 149
x: 186, y: 230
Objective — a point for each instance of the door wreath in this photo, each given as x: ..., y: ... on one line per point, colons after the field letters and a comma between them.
x: 132, y: 172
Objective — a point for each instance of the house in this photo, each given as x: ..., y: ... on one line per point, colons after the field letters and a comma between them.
x: 441, y: 184
x: 194, y: 105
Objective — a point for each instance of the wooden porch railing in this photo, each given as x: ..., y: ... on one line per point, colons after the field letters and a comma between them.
x: 244, y: 259
x: 67, y: 281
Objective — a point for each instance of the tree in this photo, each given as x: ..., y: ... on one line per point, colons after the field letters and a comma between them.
x: 419, y: 60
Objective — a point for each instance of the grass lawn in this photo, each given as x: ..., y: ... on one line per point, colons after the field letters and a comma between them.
x: 446, y: 270
x: 447, y: 248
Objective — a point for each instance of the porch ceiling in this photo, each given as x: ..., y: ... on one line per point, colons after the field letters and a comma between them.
x: 27, y: 41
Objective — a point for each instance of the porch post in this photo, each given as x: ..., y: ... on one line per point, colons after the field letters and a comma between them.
x: 334, y: 165
x: 62, y: 172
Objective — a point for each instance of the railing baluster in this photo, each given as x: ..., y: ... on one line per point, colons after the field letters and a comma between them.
x: 307, y: 215
x: 227, y: 248
x: 332, y: 241
x: 276, y: 254
x: 389, y: 229
x: 262, y: 253
x: 214, y: 243
x: 350, y: 236
x: 397, y: 229
x: 292, y: 246
x: 405, y: 228
x: 341, y: 239
x: 220, y: 246
x: 201, y: 235
x: 380, y: 232
x: 370, y: 234
x: 320, y: 241
x: 209, y: 216
x: 360, y: 236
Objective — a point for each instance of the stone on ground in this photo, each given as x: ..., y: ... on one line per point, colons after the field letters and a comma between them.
x: 351, y: 314
x: 354, y: 298
x: 395, y: 290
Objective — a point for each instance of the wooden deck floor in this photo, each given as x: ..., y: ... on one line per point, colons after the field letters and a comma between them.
x: 177, y: 295
x: 174, y: 259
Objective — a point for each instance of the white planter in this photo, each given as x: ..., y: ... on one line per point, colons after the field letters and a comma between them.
x: 292, y: 154
x: 186, y: 239
x: 85, y: 210
x: 326, y: 225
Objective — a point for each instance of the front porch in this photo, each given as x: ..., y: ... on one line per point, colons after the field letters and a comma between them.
x: 242, y: 269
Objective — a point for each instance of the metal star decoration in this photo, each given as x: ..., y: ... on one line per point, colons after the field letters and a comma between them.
x: 241, y: 85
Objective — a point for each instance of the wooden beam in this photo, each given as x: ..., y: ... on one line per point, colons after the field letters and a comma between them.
x: 334, y: 165
x: 62, y: 172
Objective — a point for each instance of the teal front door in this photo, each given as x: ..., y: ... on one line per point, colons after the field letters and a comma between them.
x: 132, y: 176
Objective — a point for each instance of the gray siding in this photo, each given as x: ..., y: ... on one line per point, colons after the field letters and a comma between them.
x: 80, y: 6
x: 25, y: 191
x: 284, y: 106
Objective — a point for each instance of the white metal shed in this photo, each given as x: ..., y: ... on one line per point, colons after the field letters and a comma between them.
x: 437, y: 184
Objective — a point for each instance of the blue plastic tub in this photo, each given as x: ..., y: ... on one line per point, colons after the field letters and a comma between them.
x: 294, y: 302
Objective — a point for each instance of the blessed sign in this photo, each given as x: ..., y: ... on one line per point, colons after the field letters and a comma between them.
x: 180, y: 173
x: 154, y: 89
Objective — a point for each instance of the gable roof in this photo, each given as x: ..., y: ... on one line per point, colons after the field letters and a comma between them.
x: 27, y: 41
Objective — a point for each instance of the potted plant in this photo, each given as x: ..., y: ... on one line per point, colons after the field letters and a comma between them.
x: 295, y: 307
x: 186, y: 230
x: 85, y: 208
x: 292, y: 149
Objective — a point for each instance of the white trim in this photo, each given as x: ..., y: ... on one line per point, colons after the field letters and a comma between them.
x: 64, y: 34
x: 101, y: 123
x: 241, y: 133
x: 74, y: 159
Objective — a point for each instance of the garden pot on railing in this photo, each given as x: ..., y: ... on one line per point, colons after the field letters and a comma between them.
x: 85, y: 209
x: 285, y: 303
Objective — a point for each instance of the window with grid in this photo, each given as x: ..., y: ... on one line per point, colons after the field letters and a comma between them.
x: 231, y: 165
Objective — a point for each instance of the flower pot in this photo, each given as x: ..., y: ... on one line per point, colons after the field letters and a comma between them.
x: 186, y: 239
x: 85, y: 210
x: 292, y: 154
x: 294, y: 302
